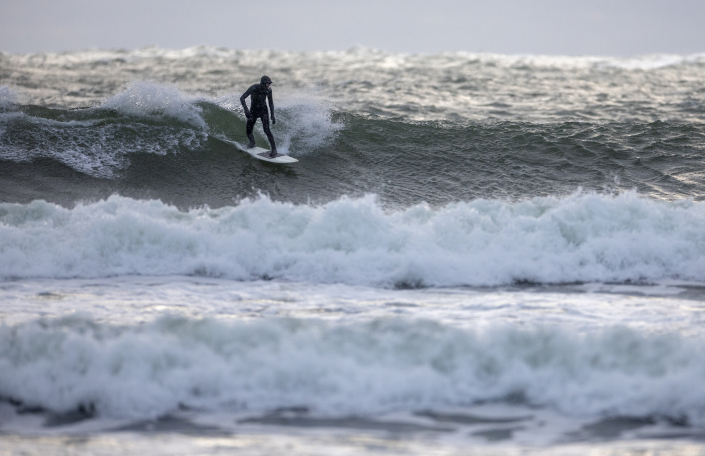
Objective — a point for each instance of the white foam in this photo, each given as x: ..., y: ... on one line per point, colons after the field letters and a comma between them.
x: 307, y: 121
x: 151, y: 99
x: 91, y: 147
x: 10, y: 98
x: 346, y: 368
x: 584, y: 237
x: 638, y: 62
x: 356, y: 55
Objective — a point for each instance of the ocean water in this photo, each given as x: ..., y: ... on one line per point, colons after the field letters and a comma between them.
x: 475, y: 254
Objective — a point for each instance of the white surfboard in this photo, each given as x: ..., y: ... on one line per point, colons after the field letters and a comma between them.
x: 263, y: 154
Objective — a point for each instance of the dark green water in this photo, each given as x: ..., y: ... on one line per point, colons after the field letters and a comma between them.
x: 70, y: 155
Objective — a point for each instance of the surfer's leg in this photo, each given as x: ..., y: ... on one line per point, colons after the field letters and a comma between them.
x: 268, y: 132
x: 251, y: 126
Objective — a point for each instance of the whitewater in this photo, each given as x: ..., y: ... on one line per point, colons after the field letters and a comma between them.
x: 583, y: 238
x: 475, y: 254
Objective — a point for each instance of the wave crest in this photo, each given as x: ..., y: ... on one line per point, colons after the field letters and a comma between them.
x: 582, y: 238
x: 151, y: 99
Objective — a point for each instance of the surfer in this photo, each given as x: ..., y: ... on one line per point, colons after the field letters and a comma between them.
x: 258, y: 110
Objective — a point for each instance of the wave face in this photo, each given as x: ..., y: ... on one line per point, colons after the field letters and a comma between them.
x: 155, y: 141
x: 582, y: 238
x: 411, y: 129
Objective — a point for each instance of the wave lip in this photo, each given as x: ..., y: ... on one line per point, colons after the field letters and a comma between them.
x: 91, y: 146
x: 150, y: 99
x: 581, y: 238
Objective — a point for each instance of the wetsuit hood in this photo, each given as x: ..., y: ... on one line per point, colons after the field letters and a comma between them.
x: 265, y: 80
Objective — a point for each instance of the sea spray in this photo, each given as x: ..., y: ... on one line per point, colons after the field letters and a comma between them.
x: 10, y: 98
x: 307, y: 121
x: 158, y: 101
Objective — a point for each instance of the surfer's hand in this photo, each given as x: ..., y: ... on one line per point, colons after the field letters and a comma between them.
x: 274, y: 120
x: 248, y: 115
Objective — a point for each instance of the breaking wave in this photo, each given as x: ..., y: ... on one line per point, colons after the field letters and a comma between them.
x: 339, y: 368
x: 582, y: 238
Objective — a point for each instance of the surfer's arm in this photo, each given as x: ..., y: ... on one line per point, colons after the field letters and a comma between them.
x: 242, y: 100
x: 271, y: 107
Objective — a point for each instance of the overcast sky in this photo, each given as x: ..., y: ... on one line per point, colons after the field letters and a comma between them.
x: 568, y: 27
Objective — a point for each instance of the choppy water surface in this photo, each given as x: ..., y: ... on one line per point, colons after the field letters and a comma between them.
x: 475, y: 254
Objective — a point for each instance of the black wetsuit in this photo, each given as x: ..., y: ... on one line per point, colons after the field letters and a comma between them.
x: 259, y: 94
